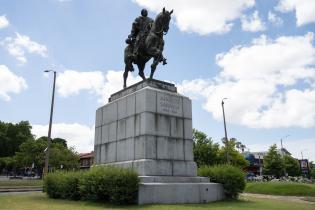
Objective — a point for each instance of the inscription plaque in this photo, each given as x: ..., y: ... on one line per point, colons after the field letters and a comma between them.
x: 169, y: 104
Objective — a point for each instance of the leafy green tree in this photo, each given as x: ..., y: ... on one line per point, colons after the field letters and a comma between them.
x: 32, y: 152
x: 61, y: 141
x: 8, y: 163
x: 12, y: 136
x: 312, y: 173
x: 235, y: 157
x: 55, y: 140
x: 273, y: 164
x: 292, y: 166
x: 60, y: 155
x: 205, y: 151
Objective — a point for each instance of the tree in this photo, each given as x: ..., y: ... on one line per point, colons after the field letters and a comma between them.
x: 32, y: 152
x: 208, y: 153
x: 205, y: 151
x: 62, y: 156
x: 12, y: 136
x: 61, y: 141
x: 235, y: 157
x: 292, y: 166
x: 273, y: 164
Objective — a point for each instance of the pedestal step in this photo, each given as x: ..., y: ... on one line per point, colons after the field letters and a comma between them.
x: 175, y: 193
x: 173, y: 179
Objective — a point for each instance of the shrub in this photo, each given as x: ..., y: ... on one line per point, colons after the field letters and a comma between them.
x: 110, y: 184
x: 106, y: 184
x: 232, y: 178
x: 63, y: 185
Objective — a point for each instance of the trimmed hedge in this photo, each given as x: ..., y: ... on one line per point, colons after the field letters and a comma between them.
x: 232, y: 178
x: 105, y: 184
x: 63, y: 185
x: 110, y: 184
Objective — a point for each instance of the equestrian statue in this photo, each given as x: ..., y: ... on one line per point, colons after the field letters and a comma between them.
x: 145, y: 42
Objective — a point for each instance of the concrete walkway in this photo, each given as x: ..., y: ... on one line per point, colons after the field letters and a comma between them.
x: 297, y: 199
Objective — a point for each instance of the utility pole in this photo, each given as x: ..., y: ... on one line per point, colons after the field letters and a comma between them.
x: 226, y: 138
x: 50, y: 125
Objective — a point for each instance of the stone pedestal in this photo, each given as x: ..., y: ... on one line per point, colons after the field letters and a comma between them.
x: 148, y: 127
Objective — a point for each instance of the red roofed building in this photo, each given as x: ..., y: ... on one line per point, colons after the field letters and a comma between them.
x: 86, y: 160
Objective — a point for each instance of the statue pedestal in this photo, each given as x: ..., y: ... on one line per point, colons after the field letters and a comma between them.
x: 148, y: 127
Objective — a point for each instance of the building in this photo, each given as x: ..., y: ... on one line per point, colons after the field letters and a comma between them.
x: 256, y: 160
x: 86, y: 160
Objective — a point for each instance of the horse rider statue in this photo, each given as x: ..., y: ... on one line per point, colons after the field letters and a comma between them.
x: 145, y: 42
x: 140, y: 29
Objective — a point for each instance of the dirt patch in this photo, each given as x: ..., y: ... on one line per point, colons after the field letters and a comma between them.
x: 297, y: 199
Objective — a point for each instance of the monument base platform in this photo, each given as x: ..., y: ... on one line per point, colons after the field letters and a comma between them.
x: 179, y: 192
x: 147, y: 127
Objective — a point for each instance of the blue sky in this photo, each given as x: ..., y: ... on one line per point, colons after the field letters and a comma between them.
x: 259, y: 54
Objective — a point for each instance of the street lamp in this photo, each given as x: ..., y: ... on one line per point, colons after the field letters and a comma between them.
x: 50, y: 124
x: 226, y: 139
x: 285, y: 172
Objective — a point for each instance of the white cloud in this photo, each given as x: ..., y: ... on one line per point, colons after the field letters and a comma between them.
x: 274, y: 19
x: 3, y: 22
x: 201, y: 16
x: 79, y: 136
x: 72, y: 82
x: 252, y: 22
x: 269, y: 83
x: 304, y: 10
x: 10, y: 83
x: 21, y: 44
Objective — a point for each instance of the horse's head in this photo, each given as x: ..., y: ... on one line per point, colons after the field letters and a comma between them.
x: 163, y: 19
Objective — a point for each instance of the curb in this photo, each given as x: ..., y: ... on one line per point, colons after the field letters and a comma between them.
x: 33, y: 189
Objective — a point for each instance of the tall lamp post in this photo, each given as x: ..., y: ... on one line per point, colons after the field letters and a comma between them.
x: 285, y: 171
x: 226, y: 139
x: 50, y: 124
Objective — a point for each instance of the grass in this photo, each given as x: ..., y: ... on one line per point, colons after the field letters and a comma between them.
x: 39, y: 201
x: 20, y: 183
x: 281, y: 188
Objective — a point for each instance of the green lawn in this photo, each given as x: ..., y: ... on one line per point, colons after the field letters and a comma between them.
x: 39, y: 201
x: 281, y: 188
x: 21, y: 183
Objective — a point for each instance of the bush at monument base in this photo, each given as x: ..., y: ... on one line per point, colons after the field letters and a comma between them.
x: 110, y: 184
x: 106, y: 184
x: 63, y: 185
x: 232, y: 178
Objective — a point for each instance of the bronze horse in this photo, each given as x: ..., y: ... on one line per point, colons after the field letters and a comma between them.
x: 152, y: 47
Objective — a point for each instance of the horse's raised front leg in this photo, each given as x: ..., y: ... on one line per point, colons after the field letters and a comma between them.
x: 153, y: 66
x: 125, y: 78
x: 128, y: 68
x: 141, y: 70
